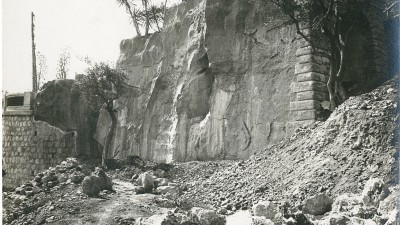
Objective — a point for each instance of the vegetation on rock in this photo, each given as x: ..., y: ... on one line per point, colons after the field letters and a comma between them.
x: 102, y: 86
x: 147, y: 16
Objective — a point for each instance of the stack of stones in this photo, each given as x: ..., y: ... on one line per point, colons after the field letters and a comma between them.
x: 69, y: 171
x: 311, y: 75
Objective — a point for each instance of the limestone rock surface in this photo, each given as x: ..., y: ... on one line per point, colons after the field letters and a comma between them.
x: 214, y: 84
x: 62, y: 104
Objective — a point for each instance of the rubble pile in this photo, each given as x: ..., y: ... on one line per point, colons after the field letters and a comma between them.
x: 333, y: 157
x: 38, y: 194
x: 69, y: 171
x: 195, y: 216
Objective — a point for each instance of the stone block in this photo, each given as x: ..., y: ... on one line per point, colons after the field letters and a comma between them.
x: 303, y: 51
x: 312, y: 58
x: 312, y: 95
x: 311, y: 67
x: 304, y: 105
x: 312, y: 76
x: 309, y: 86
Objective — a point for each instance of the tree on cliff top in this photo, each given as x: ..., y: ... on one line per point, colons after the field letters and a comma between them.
x: 102, y: 86
x: 148, y: 15
x: 335, y: 20
x: 63, y: 62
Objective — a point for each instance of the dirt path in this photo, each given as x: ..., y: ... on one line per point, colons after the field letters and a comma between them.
x: 122, y: 206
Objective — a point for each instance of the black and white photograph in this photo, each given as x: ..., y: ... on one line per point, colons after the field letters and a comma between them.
x: 200, y: 112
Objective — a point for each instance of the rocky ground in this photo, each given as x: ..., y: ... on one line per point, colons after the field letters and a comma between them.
x: 341, y: 171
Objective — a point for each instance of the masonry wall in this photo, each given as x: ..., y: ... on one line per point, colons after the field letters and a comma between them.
x: 32, y: 146
x: 365, y: 66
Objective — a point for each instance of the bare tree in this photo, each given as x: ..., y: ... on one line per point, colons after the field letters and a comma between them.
x: 63, y: 63
x: 102, y: 86
x: 335, y: 20
x: 42, y: 71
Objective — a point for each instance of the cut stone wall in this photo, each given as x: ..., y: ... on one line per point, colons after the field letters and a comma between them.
x: 32, y: 146
x: 364, y: 68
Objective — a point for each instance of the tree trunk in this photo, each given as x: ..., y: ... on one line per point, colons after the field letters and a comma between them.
x: 110, y: 136
x: 156, y: 21
x: 134, y: 21
x: 145, y: 2
x: 331, y: 85
x: 165, y: 12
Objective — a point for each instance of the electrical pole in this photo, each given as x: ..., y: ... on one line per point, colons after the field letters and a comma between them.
x: 34, y: 72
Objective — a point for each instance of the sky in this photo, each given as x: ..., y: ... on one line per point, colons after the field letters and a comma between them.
x: 92, y: 28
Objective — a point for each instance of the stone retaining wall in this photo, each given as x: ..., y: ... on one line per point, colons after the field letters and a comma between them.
x: 309, y: 89
x: 32, y: 146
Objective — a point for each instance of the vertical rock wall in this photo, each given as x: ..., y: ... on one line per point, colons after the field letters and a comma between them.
x: 214, y: 84
x: 32, y: 146
x: 223, y: 79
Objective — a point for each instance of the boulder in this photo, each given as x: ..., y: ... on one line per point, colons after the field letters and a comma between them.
x: 19, y: 199
x: 96, y: 182
x: 159, y: 173
x: 261, y: 220
x: 345, y: 203
x: 168, y: 190
x: 62, y: 178
x: 70, y: 163
x: 76, y: 177
x: 202, y: 216
x: 165, y: 202
x: 158, y: 182
x: 29, y: 193
x: 90, y: 186
x: 265, y: 208
x: 146, y: 181
x: 318, y: 205
x: 297, y: 218
x: 336, y: 219
x: 176, y: 219
x: 48, y: 177
x: 36, y: 189
x: 389, y: 203
x: 360, y: 221
x: 374, y: 191
x: 20, y: 190
x: 105, y: 181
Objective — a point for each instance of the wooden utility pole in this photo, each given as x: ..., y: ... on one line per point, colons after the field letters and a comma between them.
x: 34, y: 72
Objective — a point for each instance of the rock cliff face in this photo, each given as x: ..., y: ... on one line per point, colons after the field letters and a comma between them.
x: 62, y: 105
x: 214, y: 84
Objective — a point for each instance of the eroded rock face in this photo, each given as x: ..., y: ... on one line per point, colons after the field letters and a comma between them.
x: 214, y: 84
x: 61, y: 104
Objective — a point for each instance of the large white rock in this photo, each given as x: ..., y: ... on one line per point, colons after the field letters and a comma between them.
x: 261, y: 220
x: 202, y: 216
